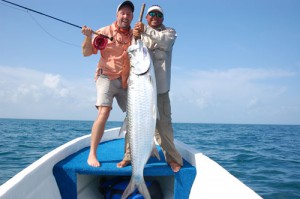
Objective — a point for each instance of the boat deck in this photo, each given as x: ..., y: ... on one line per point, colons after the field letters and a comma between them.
x: 109, y: 153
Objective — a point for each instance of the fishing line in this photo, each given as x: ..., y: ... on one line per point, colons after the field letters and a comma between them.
x: 74, y: 25
x: 38, y: 24
x: 12, y: 7
x: 48, y: 33
x: 42, y: 14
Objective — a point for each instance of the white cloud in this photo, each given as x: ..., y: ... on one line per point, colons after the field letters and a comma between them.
x: 237, y: 95
x: 253, y: 102
x: 28, y: 93
x: 51, y: 81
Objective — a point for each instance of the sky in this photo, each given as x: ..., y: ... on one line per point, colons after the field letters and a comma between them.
x: 234, y: 61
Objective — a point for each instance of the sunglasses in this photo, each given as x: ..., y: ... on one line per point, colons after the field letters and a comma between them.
x: 158, y: 14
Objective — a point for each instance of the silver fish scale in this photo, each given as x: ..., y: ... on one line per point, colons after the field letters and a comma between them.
x: 141, y: 122
x: 141, y: 115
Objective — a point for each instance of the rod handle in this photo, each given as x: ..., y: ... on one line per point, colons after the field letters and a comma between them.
x: 142, y: 12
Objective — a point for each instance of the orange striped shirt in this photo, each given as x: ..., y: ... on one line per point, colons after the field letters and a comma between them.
x: 114, y: 57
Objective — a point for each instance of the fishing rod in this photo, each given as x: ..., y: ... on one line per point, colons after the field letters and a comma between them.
x: 74, y: 25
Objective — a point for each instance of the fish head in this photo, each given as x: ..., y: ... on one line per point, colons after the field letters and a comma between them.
x: 139, y: 58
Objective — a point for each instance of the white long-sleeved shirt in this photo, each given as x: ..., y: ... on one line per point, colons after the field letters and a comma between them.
x: 160, y: 44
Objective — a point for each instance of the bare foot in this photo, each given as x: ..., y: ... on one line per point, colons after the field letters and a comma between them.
x: 175, y: 166
x: 92, y: 161
x: 123, y: 163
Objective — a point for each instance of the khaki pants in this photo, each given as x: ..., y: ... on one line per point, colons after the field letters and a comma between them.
x: 164, y: 132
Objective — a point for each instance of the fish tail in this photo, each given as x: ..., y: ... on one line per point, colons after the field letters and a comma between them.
x: 129, y: 189
x: 141, y: 186
x: 144, y: 190
x: 155, y: 151
x: 123, y: 129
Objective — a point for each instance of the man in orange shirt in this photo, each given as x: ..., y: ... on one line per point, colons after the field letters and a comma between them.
x: 112, y: 71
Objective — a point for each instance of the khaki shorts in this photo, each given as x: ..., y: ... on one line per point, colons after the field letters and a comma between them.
x: 108, y: 89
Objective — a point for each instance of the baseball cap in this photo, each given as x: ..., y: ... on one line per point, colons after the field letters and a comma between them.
x: 126, y: 3
x: 155, y: 7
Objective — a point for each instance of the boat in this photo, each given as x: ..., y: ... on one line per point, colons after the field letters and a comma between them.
x: 64, y: 173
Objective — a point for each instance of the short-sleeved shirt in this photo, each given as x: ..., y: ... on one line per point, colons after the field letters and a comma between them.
x: 114, y: 57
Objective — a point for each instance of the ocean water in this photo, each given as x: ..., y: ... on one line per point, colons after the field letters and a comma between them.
x: 264, y: 157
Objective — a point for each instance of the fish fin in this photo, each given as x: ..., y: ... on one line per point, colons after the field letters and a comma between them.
x: 157, y: 114
x: 155, y: 152
x: 129, y: 189
x: 124, y: 127
x: 144, y: 190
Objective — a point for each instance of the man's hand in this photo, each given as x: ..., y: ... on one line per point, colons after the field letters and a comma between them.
x: 139, y: 26
x: 86, y: 31
x: 138, y: 30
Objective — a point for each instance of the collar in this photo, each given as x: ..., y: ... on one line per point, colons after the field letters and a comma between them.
x: 122, y: 30
x: 162, y: 27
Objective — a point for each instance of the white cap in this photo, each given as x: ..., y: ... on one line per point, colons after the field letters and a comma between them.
x: 155, y: 7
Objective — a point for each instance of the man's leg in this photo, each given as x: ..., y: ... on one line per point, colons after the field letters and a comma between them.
x: 164, y: 133
x: 126, y: 160
x: 97, y: 133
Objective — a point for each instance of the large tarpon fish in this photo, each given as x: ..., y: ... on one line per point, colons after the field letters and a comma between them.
x: 141, y: 115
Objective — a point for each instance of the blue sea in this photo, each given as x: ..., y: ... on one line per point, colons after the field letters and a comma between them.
x: 264, y: 157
